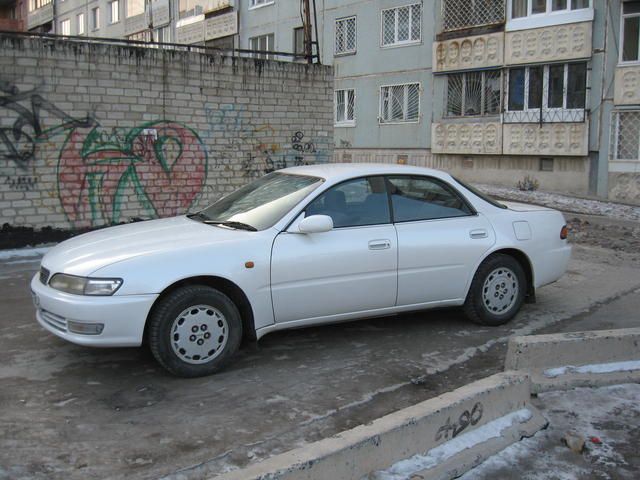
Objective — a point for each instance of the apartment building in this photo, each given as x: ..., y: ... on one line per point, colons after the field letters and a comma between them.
x: 12, y: 15
x: 491, y: 90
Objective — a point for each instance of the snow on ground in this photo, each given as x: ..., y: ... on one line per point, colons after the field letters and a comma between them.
x: 564, y: 202
x: 23, y: 253
x: 609, y: 414
x: 594, y: 368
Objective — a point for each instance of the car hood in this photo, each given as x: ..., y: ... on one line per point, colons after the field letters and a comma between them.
x: 84, y: 254
x: 523, y: 207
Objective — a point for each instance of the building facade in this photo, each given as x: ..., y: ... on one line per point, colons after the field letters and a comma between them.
x: 491, y: 90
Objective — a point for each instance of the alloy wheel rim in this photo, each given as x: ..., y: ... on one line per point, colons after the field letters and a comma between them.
x: 199, y: 334
x: 500, y: 290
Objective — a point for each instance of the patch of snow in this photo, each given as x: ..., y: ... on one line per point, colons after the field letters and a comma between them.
x: 23, y: 252
x: 405, y: 468
x: 565, y: 202
x: 594, y: 368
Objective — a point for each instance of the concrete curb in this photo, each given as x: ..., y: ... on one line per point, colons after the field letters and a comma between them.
x: 354, y: 454
x: 578, y: 359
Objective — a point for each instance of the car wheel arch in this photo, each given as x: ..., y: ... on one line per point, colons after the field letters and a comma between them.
x: 225, y: 286
x: 525, y: 262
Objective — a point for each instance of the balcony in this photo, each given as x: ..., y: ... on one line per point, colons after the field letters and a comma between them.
x: 11, y: 25
x: 547, y: 139
x: 549, y: 44
x: 479, y: 51
x: 465, y: 14
x: 627, y: 85
x: 40, y: 16
x: 156, y: 15
x: 478, y: 138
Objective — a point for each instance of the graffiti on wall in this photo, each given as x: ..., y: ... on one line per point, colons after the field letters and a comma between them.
x: 18, y: 140
x: 21, y: 183
x: 164, y: 165
x: 260, y: 153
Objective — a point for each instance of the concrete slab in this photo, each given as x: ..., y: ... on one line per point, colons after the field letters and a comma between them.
x: 418, y: 429
x: 577, y: 359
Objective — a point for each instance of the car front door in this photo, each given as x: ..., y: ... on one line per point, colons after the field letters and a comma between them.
x: 440, y: 239
x: 352, y: 268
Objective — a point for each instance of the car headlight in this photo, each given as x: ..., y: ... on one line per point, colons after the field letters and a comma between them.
x: 84, y: 285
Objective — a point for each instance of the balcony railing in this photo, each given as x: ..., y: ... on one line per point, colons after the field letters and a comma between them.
x: 463, y: 14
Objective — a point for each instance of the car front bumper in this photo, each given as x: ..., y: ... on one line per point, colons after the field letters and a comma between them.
x: 123, y: 316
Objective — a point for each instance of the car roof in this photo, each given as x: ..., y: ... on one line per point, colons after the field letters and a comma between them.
x: 342, y: 171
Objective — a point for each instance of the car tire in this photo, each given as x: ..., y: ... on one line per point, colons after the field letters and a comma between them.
x: 497, y: 291
x: 194, y: 331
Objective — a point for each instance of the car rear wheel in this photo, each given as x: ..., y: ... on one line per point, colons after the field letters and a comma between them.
x: 194, y: 331
x: 497, y: 291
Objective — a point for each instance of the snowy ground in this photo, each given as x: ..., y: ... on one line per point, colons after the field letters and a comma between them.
x: 565, y: 202
x: 609, y: 414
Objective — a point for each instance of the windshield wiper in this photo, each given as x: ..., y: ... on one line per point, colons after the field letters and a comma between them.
x: 199, y: 215
x: 231, y: 224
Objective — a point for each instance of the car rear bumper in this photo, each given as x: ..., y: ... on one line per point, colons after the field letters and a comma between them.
x: 551, y: 265
x: 123, y: 317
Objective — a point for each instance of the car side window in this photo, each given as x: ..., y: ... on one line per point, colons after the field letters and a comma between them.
x: 354, y: 203
x: 424, y: 198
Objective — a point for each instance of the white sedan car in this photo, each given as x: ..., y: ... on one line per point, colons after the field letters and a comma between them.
x: 301, y: 246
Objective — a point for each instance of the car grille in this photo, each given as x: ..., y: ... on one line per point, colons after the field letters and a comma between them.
x: 53, y: 320
x: 44, y: 275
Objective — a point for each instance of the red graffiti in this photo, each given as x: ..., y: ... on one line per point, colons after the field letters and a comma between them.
x: 161, y: 165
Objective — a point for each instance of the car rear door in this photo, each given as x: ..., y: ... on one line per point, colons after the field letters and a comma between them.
x: 440, y: 239
x: 352, y: 268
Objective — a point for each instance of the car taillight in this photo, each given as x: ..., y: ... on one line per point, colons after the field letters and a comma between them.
x: 564, y: 233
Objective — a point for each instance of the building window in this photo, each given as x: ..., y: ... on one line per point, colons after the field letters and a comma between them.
x: 114, y: 11
x: 459, y: 14
x: 345, y: 103
x: 474, y: 93
x: 262, y: 43
x: 630, y: 31
x: 626, y: 136
x: 345, y: 35
x: 260, y: 3
x: 400, y: 103
x: 134, y: 7
x: 95, y: 18
x: 144, y: 36
x: 35, y: 4
x: 65, y: 27
x: 402, y: 25
x: 526, y: 8
x: 80, y: 19
x: 547, y: 93
x: 298, y: 42
x: 162, y: 34
x: 546, y: 164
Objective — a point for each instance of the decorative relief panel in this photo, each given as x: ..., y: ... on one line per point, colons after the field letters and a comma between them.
x: 467, y: 138
x: 221, y: 26
x: 560, y: 42
x: 191, y: 32
x: 627, y: 90
x: 135, y: 24
x: 40, y: 16
x: 546, y: 139
x: 469, y: 52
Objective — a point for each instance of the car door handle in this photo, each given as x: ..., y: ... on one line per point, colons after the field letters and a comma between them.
x: 379, y: 244
x: 480, y: 233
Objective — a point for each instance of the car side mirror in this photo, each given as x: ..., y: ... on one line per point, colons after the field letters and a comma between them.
x: 316, y: 224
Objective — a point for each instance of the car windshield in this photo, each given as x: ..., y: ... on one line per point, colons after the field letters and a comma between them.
x: 260, y: 204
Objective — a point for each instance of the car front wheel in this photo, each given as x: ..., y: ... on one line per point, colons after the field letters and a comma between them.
x: 497, y: 291
x: 194, y: 331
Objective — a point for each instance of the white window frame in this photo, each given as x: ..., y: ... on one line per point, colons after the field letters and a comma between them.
x: 401, y: 43
x: 36, y: 4
x: 271, y: 38
x: 344, y: 122
x: 405, y: 107
x: 254, y: 4
x: 80, y: 24
x: 65, y: 24
x: 622, y: 18
x: 95, y: 18
x: 113, y: 19
x: 335, y: 37
x: 549, y: 17
x: 563, y: 114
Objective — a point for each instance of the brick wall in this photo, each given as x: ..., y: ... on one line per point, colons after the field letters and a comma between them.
x: 94, y: 134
